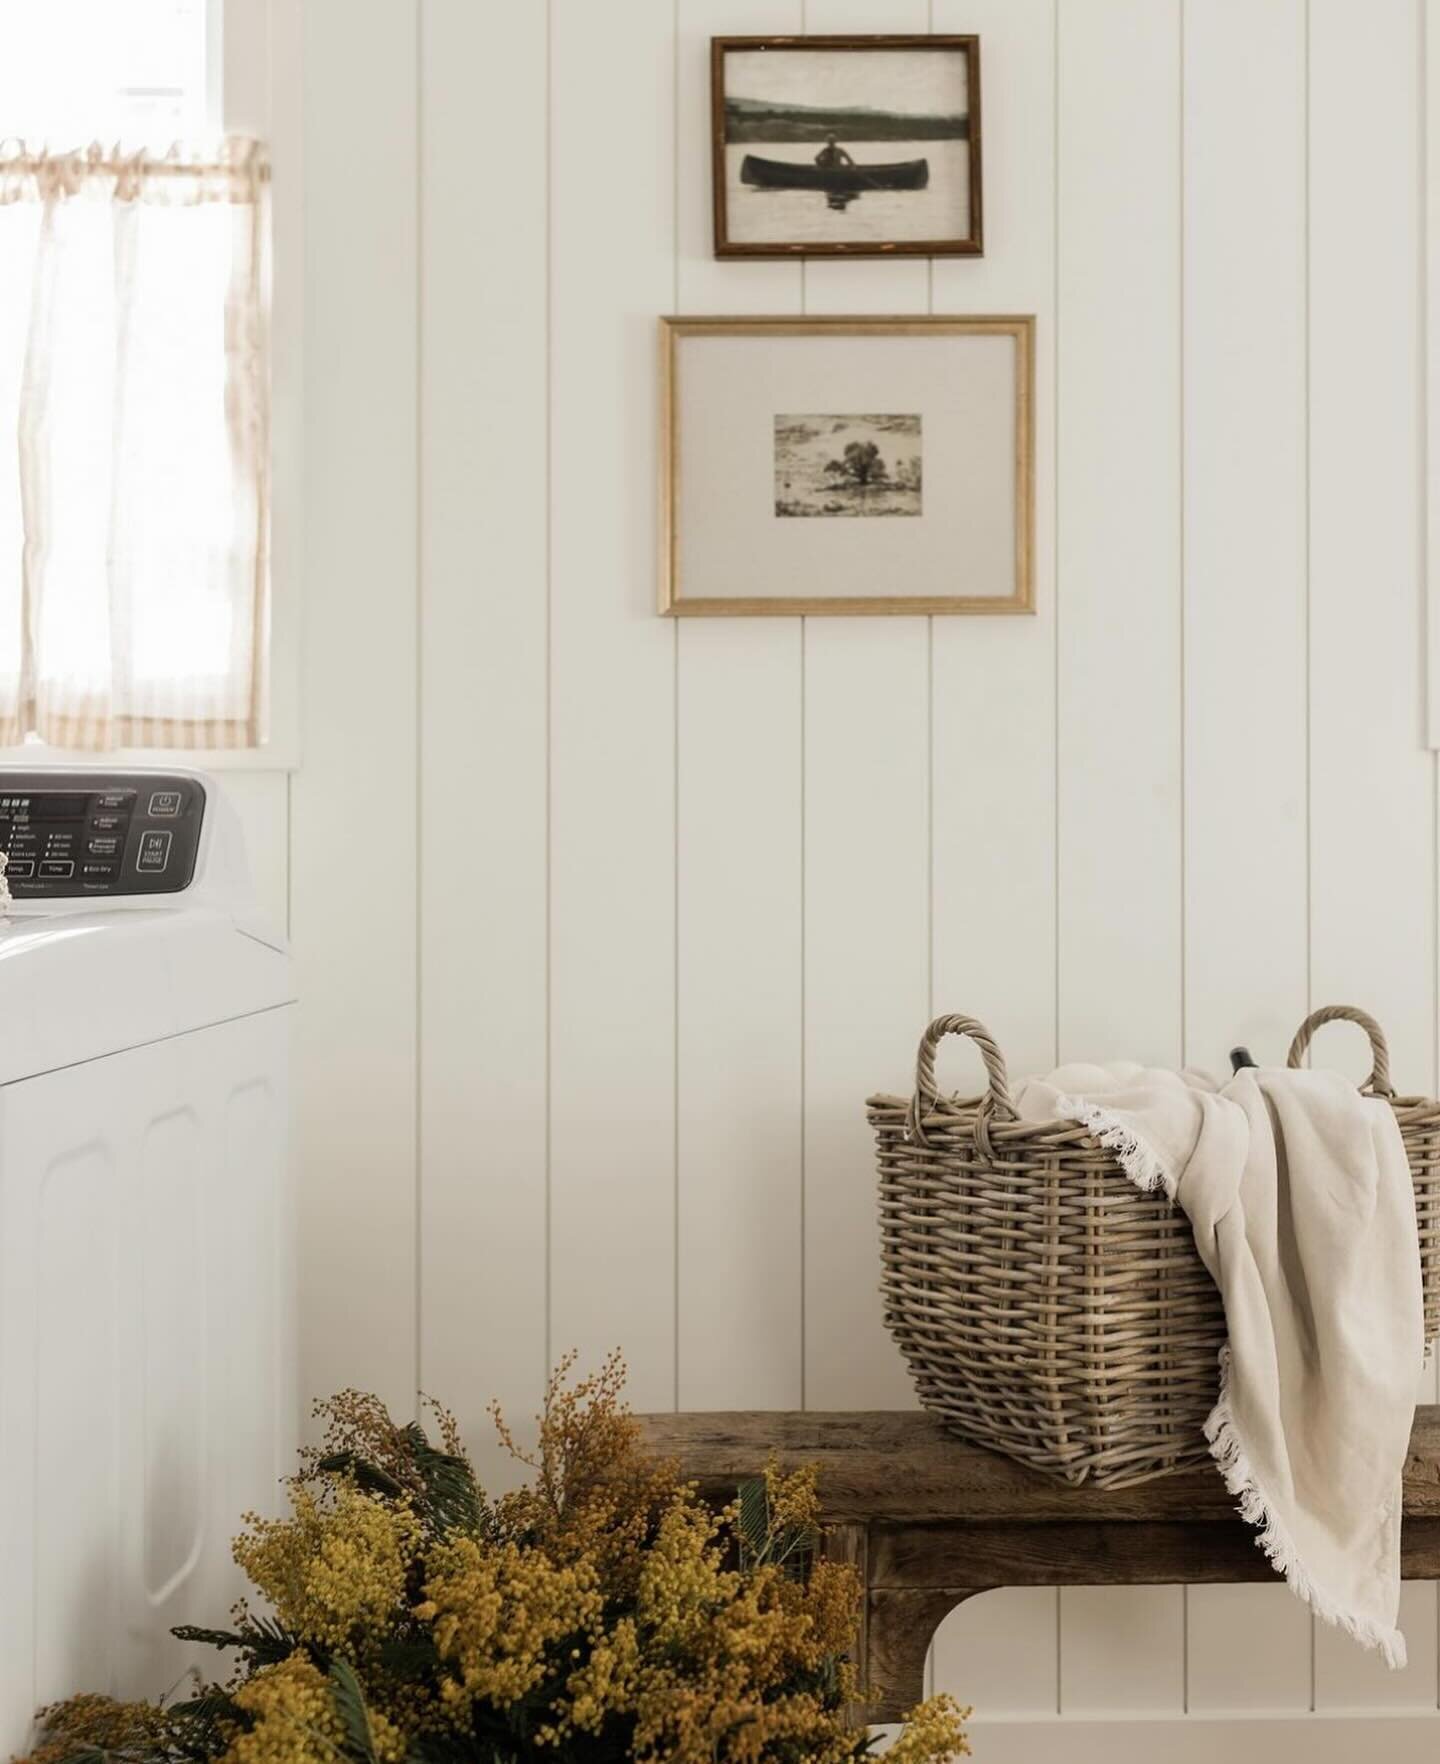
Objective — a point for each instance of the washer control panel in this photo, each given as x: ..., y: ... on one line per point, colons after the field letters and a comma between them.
x: 71, y: 834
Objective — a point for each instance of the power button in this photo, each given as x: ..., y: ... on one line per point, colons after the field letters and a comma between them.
x: 154, y: 853
x: 165, y: 802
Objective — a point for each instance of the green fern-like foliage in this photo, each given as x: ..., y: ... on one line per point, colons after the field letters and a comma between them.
x: 365, y: 1475
x: 450, y: 1499
x: 263, y: 1641
x: 350, y: 1703
x: 762, y: 1538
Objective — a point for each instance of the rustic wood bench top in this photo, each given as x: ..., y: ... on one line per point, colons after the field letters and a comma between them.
x: 929, y: 1521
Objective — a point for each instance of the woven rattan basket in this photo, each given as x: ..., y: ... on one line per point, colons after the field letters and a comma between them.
x: 1049, y: 1309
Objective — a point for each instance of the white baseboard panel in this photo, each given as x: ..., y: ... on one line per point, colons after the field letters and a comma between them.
x: 1364, y: 1737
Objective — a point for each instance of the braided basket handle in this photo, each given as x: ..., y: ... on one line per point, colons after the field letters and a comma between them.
x: 1378, y: 1083
x: 997, y: 1100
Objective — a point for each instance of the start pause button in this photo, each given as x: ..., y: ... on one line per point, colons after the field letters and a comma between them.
x: 154, y: 853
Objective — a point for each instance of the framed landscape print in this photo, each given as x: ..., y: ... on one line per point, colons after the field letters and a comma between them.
x: 846, y: 465
x: 846, y: 146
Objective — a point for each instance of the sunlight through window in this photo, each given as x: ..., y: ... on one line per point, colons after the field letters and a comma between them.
x: 138, y: 72
x: 133, y: 565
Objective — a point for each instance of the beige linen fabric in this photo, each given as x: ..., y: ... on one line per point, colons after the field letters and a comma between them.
x: 1300, y: 1196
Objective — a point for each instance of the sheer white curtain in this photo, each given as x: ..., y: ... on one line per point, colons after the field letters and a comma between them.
x: 134, y: 404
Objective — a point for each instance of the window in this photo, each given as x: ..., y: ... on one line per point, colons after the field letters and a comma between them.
x: 134, y: 568
x: 138, y: 72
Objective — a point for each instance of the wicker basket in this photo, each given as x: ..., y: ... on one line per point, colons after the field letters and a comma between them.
x: 1049, y: 1309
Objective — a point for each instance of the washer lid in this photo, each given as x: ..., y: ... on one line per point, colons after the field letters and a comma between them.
x: 79, y: 985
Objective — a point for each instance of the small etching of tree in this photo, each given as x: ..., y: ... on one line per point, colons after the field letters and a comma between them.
x: 860, y: 466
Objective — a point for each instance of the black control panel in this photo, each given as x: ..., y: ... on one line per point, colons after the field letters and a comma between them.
x: 72, y: 833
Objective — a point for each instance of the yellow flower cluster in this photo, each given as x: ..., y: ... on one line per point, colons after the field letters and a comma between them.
x: 794, y: 1499
x: 688, y: 1718
x: 91, y: 1723
x: 682, y: 1585
x: 607, y: 1684
x: 604, y: 1611
x: 296, y: 1721
x: 335, y: 1574
x: 935, y: 1729
x: 595, y: 1495
x: 716, y: 1687
x: 702, y: 1664
x: 496, y: 1610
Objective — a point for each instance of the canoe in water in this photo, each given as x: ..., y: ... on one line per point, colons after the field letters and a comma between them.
x: 785, y: 174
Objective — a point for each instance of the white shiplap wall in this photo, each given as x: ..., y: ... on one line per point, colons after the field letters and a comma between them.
x: 587, y: 1038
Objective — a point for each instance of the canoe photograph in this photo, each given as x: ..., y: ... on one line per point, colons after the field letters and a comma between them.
x: 838, y: 180
x: 846, y: 145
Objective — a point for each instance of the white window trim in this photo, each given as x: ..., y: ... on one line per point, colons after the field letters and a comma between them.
x: 262, y: 95
x: 37, y: 755
x: 215, y: 11
x: 255, y: 90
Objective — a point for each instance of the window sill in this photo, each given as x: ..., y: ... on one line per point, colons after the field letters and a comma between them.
x: 274, y: 757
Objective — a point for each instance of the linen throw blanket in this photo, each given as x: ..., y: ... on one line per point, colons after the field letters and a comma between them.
x: 1299, y: 1193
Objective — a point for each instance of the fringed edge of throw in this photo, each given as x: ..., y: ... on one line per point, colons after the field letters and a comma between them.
x: 1137, y: 1159
x: 1145, y: 1169
x: 1233, y: 1462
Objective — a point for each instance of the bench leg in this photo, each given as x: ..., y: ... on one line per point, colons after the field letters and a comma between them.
x: 901, y: 1624
x: 895, y: 1630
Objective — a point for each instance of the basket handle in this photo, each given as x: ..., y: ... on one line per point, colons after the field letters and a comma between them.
x: 1378, y: 1083
x: 997, y: 1100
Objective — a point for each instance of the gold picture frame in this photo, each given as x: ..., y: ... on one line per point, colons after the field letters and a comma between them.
x: 742, y: 503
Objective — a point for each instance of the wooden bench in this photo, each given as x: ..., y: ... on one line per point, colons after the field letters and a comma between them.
x: 930, y: 1521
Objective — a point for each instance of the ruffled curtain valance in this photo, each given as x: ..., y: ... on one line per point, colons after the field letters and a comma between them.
x: 134, y: 448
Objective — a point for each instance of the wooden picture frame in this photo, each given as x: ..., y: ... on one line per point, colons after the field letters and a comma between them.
x: 927, y: 203
x: 953, y: 444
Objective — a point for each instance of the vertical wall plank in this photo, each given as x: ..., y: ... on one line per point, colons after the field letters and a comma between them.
x: 866, y: 927
x: 739, y: 875
x: 483, y: 735
x: 994, y: 737
x: 1119, y: 499
x: 1245, y: 529
x: 1248, y: 1647
x: 1430, y: 33
x: 1372, y: 803
x: 356, y: 941
x: 704, y: 282
x: 739, y: 1020
x: 1121, y: 1648
x: 612, y: 686
x: 859, y: 284
x: 994, y: 678
x: 999, y: 1654
x: 1372, y: 843
x: 867, y: 984
x: 1119, y: 771
x: 1346, y: 1677
x: 1246, y: 937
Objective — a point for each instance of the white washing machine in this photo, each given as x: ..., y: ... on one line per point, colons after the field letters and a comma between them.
x: 146, y: 1315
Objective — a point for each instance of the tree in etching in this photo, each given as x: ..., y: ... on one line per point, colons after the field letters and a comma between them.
x: 860, y: 466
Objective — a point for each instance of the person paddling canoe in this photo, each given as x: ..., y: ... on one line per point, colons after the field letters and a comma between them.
x: 832, y: 154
